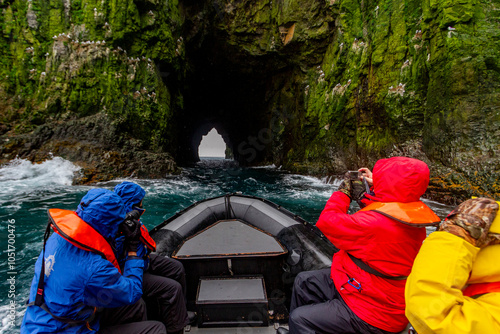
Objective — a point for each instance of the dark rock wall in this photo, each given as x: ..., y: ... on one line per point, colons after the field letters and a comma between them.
x: 67, y: 60
x: 318, y: 86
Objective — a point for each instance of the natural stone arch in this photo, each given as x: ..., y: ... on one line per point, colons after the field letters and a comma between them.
x: 203, y: 130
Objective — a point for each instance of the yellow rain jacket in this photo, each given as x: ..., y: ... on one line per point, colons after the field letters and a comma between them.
x: 435, y: 302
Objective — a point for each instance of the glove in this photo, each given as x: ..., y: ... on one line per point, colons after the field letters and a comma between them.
x: 346, y: 186
x: 131, y: 229
x: 133, y: 215
x: 471, y: 221
x: 358, y: 190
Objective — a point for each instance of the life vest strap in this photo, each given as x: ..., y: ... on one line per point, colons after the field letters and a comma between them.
x: 361, y: 264
x: 39, y: 301
x: 147, y: 240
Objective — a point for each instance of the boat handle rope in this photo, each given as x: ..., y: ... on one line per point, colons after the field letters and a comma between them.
x: 230, y: 266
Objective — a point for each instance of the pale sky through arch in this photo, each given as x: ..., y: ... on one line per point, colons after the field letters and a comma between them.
x: 212, y: 145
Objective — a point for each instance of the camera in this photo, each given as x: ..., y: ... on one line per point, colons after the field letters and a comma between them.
x: 354, y: 175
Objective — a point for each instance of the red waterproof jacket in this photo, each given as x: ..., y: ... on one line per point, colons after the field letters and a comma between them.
x: 387, y: 245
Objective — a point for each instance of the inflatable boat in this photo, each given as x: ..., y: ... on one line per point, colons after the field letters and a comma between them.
x: 241, y: 255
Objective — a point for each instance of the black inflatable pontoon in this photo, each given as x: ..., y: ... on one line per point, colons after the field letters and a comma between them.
x: 241, y: 256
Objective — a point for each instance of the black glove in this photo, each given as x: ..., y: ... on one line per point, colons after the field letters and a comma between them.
x: 357, y: 192
x: 131, y: 229
x: 133, y: 215
x: 346, y: 185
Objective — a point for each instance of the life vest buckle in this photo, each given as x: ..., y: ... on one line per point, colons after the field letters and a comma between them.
x: 355, y: 284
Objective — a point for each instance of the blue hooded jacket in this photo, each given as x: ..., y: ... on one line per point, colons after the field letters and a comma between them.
x: 131, y: 194
x: 77, y: 280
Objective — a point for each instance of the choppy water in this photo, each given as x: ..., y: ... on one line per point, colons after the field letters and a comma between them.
x: 27, y: 190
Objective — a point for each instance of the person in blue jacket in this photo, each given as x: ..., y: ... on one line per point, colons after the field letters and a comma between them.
x: 164, y: 284
x: 77, y: 275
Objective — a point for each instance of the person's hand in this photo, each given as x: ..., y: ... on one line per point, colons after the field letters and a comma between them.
x: 357, y: 192
x: 133, y: 215
x: 346, y: 185
x: 471, y: 221
x: 367, y: 175
x: 131, y: 229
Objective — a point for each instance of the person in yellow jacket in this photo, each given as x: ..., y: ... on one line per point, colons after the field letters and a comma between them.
x: 454, y: 286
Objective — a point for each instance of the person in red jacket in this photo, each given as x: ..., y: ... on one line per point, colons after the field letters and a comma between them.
x: 363, y: 291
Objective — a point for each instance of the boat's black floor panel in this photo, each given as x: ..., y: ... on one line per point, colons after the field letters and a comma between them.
x: 229, y: 238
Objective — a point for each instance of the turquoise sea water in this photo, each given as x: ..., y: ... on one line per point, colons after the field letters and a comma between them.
x: 27, y: 190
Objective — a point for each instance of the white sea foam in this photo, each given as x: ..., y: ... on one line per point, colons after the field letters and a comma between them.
x: 21, y: 179
x: 273, y: 166
x: 21, y: 172
x: 6, y: 317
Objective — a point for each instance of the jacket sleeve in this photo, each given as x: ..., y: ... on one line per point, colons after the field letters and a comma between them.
x: 338, y: 226
x: 434, y: 300
x: 108, y: 288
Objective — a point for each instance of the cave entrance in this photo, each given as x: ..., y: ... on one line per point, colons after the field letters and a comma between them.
x: 231, y: 88
x: 212, y: 145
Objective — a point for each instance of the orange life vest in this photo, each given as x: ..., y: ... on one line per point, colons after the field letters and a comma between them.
x: 415, y: 214
x: 481, y: 288
x: 146, y: 239
x: 68, y: 225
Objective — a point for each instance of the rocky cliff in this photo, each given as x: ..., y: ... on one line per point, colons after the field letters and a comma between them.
x: 318, y: 86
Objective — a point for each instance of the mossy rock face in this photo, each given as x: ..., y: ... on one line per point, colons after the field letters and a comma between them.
x: 338, y: 83
x: 65, y: 60
x: 400, y: 71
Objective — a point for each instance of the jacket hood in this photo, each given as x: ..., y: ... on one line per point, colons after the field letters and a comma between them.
x: 484, y: 268
x: 131, y: 194
x: 103, y: 210
x: 399, y: 179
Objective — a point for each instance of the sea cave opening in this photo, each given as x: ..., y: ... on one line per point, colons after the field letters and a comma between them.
x: 213, y: 146
x: 240, y: 92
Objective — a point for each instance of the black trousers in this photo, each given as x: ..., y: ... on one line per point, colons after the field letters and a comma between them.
x: 164, y: 290
x: 130, y: 319
x: 317, y: 307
